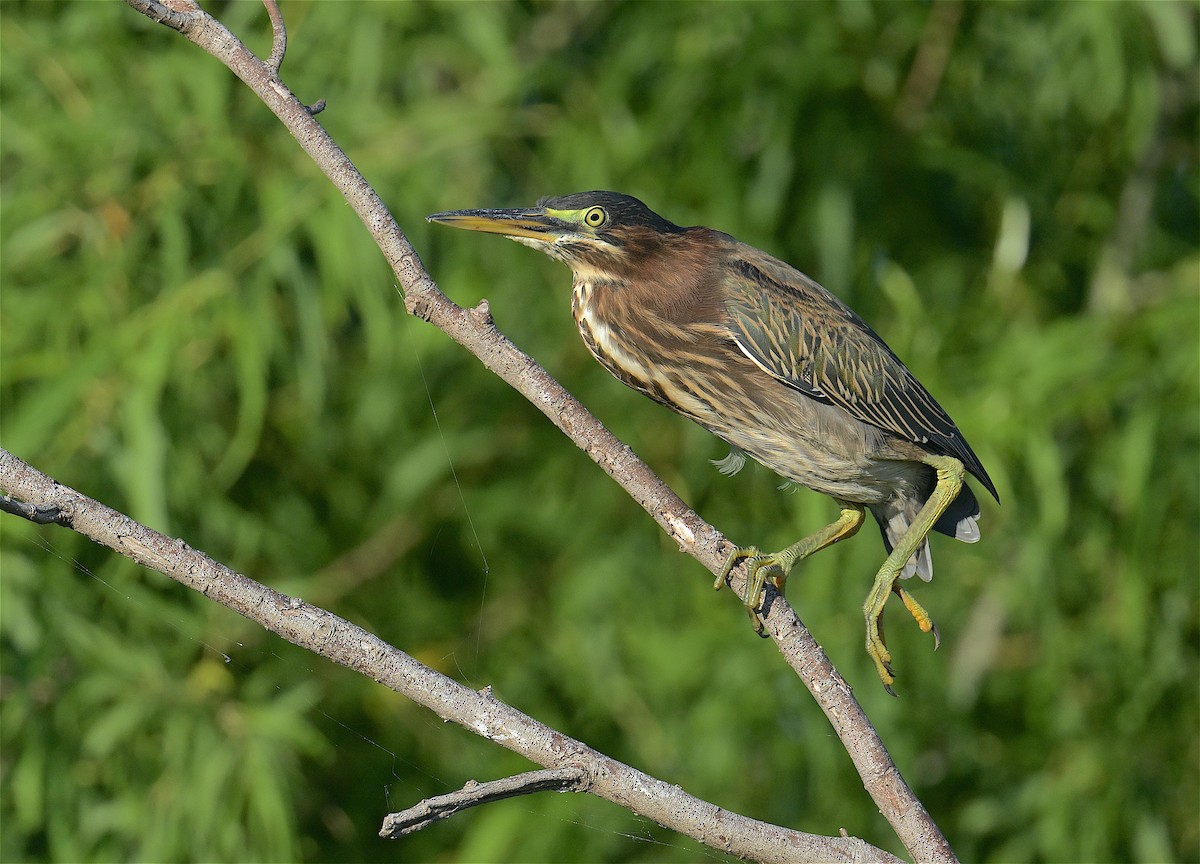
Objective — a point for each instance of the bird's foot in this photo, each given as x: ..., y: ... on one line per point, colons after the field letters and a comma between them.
x: 887, y: 583
x: 877, y: 650
x: 777, y: 565
x: 761, y: 567
x: 879, y: 653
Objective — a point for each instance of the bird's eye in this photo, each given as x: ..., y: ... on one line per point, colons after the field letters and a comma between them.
x: 595, y: 217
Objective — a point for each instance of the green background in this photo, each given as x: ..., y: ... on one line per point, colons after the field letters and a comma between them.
x: 197, y: 331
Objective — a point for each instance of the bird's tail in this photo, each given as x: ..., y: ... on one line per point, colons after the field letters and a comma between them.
x: 960, y: 521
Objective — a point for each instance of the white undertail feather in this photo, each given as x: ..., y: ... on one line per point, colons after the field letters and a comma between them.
x: 921, y: 564
x: 967, y: 530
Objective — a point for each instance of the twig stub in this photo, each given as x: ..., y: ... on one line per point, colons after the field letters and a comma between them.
x: 473, y: 793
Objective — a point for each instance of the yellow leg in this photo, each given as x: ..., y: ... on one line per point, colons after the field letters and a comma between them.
x: 949, y: 482
x: 776, y: 566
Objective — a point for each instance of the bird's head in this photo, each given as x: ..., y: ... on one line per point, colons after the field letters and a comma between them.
x: 597, y: 232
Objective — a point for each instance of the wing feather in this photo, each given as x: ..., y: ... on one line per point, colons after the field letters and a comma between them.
x: 810, y: 340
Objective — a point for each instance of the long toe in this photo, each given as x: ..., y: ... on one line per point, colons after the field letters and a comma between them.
x: 923, y: 619
x: 762, y: 569
x: 879, y: 654
x: 739, y: 554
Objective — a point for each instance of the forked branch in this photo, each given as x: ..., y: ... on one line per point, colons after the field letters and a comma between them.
x: 475, y: 330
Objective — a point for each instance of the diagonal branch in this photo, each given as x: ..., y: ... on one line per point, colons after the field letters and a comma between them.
x: 475, y: 330
x: 421, y: 815
x: 481, y: 712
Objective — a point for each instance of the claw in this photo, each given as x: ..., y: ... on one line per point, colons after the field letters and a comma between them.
x: 883, y: 661
x: 731, y: 561
x: 759, y: 570
x: 777, y: 565
x: 877, y: 647
x: 754, y: 578
x: 883, y: 667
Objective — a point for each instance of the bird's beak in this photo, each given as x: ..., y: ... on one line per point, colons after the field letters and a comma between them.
x: 529, y: 224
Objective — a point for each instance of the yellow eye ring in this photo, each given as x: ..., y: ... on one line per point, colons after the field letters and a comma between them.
x: 594, y: 217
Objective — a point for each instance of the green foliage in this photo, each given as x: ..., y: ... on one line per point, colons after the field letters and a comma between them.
x: 197, y: 331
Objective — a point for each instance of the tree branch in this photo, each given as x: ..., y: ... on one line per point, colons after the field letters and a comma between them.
x: 569, y: 779
x: 38, y: 514
x: 475, y: 330
x: 480, y: 712
x: 278, y: 36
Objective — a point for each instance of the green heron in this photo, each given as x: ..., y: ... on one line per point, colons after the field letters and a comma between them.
x: 776, y: 366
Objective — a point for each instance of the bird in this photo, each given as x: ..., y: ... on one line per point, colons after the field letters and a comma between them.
x: 775, y: 365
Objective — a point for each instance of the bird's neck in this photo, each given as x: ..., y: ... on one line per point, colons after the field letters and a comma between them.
x: 593, y: 306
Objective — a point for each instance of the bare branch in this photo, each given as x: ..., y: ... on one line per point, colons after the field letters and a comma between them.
x: 179, y: 15
x: 39, y: 514
x: 480, y: 712
x: 278, y: 36
x: 424, y: 814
